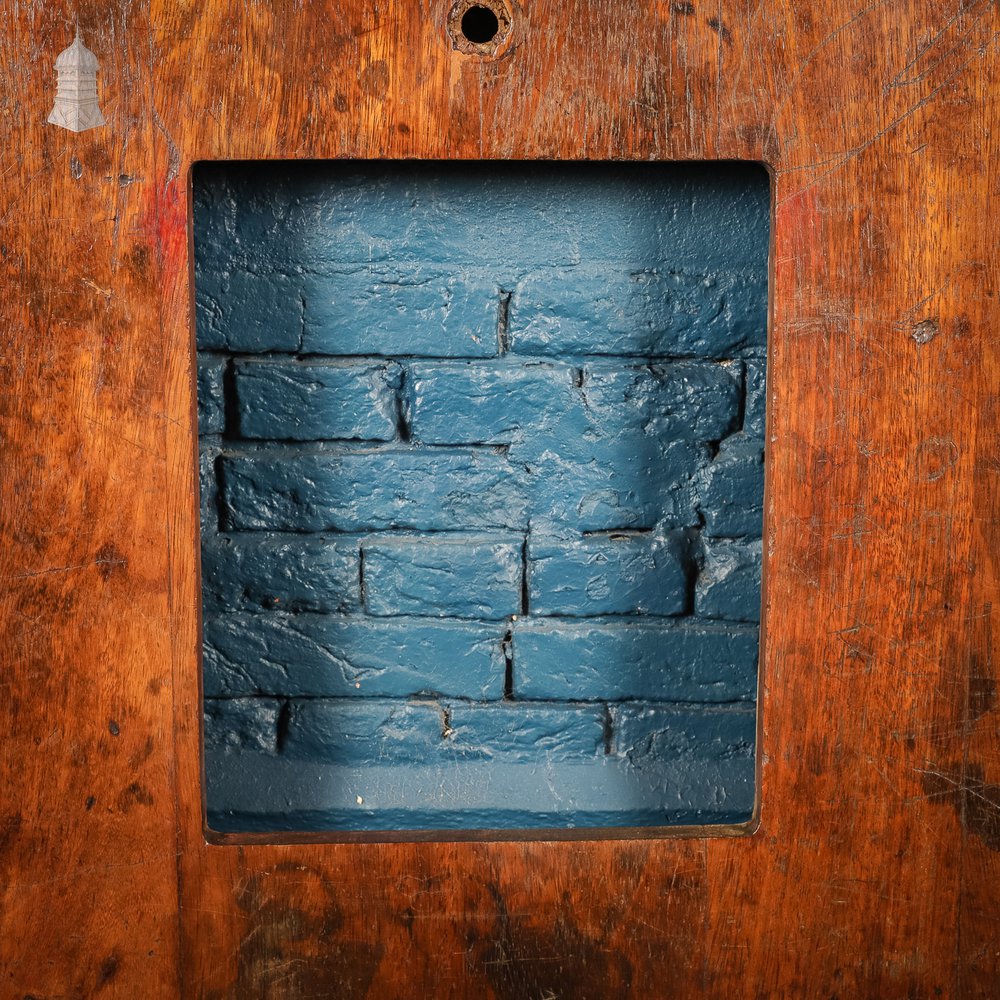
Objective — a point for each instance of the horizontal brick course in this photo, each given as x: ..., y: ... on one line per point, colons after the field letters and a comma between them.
x: 413, y: 732
x: 327, y: 655
x: 282, y: 572
x: 308, y: 401
x: 728, y: 585
x: 363, y: 490
x: 687, y: 661
x: 445, y: 576
x: 616, y: 575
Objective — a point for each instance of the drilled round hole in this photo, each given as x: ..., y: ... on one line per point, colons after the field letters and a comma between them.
x: 480, y: 29
x: 480, y: 25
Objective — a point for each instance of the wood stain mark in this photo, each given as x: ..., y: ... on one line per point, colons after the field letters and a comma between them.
x: 976, y: 803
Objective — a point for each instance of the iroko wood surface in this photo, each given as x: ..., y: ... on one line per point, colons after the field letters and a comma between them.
x: 874, y: 870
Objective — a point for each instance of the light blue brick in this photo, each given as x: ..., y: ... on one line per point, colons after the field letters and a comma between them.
x: 444, y: 576
x: 546, y: 403
x: 648, y: 313
x: 365, y: 731
x: 651, y: 734
x: 632, y: 480
x: 731, y: 489
x: 329, y: 655
x: 211, y: 399
x: 372, y: 489
x: 535, y: 734
x: 281, y: 572
x: 690, y: 661
x: 622, y: 574
x: 308, y: 401
x: 490, y: 402
x: 728, y: 585
x: 421, y: 311
x: 238, y: 725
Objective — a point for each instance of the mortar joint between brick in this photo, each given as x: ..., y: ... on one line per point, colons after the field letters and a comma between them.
x: 503, y: 322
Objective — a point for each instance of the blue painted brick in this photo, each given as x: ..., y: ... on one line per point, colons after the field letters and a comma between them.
x: 518, y: 215
x: 489, y: 403
x: 689, y: 661
x: 535, y: 734
x: 211, y: 400
x: 247, y: 311
x: 503, y: 402
x: 422, y: 311
x: 308, y: 401
x: 365, y: 731
x: 283, y: 572
x: 732, y: 489
x: 650, y: 734
x: 699, y: 762
x: 620, y: 574
x: 242, y: 724
x: 456, y: 576
x: 648, y: 313
x: 756, y: 400
x: 209, y: 488
x: 372, y: 489
x: 728, y: 585
x: 317, y: 655
x: 630, y: 481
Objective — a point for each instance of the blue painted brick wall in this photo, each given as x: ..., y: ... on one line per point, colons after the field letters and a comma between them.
x: 482, y: 492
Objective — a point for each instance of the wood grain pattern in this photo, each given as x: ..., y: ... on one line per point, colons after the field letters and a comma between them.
x: 873, y: 872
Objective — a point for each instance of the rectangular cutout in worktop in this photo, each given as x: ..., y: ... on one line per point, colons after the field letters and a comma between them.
x: 482, y: 492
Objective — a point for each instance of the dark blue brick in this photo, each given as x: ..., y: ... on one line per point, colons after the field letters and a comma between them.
x: 649, y: 313
x: 624, y: 574
x: 728, y: 585
x: 211, y: 400
x: 372, y: 489
x: 209, y: 488
x: 443, y: 575
x: 245, y: 311
x: 732, y: 489
x: 314, y: 655
x: 689, y: 661
x: 422, y: 311
x: 308, y: 401
x: 753, y: 416
x: 283, y: 572
x: 238, y: 725
x: 534, y: 734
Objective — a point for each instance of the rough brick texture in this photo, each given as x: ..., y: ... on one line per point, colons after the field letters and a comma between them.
x: 482, y: 492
